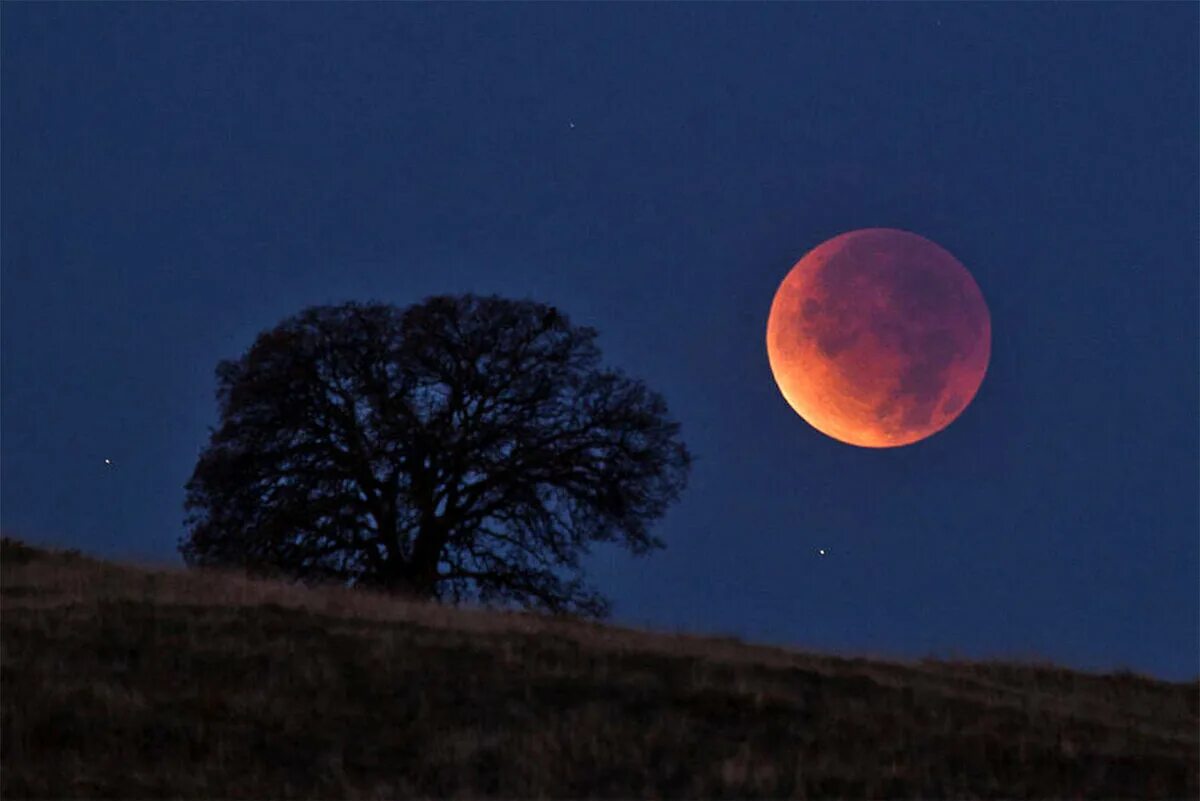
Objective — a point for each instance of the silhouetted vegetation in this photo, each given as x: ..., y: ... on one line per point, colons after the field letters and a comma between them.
x: 463, y: 448
x: 127, y: 683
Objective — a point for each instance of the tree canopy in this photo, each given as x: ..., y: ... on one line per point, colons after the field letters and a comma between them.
x: 463, y: 448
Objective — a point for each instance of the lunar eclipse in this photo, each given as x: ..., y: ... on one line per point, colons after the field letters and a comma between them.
x: 878, y: 338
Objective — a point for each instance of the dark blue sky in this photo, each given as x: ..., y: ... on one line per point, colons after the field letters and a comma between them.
x: 177, y: 178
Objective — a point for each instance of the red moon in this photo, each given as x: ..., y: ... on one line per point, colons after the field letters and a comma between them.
x: 879, y: 338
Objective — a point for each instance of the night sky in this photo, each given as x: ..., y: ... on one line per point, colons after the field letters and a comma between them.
x: 178, y: 178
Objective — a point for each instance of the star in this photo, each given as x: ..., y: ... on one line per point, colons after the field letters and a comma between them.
x: 108, y: 461
x: 571, y: 124
x: 821, y: 551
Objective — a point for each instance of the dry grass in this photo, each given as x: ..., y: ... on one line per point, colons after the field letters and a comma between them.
x: 119, y: 681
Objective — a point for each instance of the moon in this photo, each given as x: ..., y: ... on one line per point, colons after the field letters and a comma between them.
x: 879, y: 338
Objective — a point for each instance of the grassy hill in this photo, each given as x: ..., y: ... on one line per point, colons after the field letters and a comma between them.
x: 119, y: 681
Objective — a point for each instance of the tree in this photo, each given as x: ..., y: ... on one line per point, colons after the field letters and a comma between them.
x: 464, y: 448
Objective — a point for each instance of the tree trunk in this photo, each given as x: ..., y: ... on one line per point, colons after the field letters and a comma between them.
x: 419, y: 576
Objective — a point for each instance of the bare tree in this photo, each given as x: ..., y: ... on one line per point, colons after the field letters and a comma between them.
x: 463, y: 448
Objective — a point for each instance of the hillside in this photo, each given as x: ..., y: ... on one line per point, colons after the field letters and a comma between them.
x: 120, y: 681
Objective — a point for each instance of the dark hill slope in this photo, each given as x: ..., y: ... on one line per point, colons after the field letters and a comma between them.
x: 125, y: 682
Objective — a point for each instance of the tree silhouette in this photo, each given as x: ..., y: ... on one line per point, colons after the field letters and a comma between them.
x: 464, y: 448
